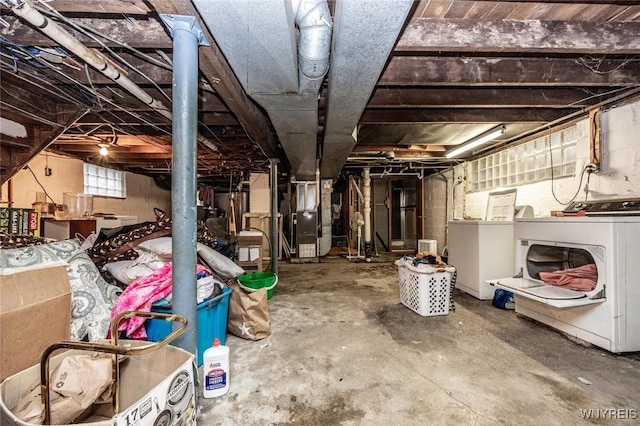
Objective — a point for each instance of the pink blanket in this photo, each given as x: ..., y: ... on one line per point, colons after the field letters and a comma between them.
x: 582, y: 278
x: 140, y: 295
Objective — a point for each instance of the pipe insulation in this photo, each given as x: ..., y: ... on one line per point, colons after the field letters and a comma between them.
x: 92, y: 57
x: 314, y: 22
x: 366, y: 192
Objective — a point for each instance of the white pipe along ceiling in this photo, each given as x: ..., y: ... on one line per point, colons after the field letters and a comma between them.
x: 285, y: 76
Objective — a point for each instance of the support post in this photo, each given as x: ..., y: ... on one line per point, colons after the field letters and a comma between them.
x: 275, y: 234
x: 368, y: 246
x: 187, y: 36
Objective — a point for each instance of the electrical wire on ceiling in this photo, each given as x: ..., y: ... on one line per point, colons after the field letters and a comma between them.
x: 31, y: 115
x: 599, y: 95
x: 97, y: 94
x: 88, y: 94
x: 594, y: 64
x: 88, y: 32
x: 83, y: 101
x: 57, y: 90
x: 95, y: 100
x: 92, y: 33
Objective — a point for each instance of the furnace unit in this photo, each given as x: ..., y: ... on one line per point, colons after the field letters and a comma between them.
x: 306, y: 221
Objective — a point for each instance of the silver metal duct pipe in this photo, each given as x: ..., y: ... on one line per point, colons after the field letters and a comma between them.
x: 92, y: 57
x: 314, y: 22
x: 187, y: 35
x: 364, y: 34
x: 283, y: 75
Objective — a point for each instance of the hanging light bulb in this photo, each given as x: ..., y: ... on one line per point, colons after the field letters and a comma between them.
x: 104, y: 150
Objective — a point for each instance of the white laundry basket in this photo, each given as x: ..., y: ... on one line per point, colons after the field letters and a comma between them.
x: 424, y: 289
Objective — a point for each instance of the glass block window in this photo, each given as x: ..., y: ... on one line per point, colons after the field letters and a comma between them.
x: 527, y: 163
x: 104, y: 182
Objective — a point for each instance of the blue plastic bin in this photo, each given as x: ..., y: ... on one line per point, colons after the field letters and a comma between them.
x: 212, y: 322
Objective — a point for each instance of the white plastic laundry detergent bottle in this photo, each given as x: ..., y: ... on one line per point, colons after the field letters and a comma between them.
x: 215, y: 366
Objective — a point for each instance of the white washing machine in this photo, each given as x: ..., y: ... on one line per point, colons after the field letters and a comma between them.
x: 480, y: 250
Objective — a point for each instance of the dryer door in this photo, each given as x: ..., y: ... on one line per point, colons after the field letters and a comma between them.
x: 557, y: 297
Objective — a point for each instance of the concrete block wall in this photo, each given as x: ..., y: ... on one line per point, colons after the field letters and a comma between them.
x: 67, y: 176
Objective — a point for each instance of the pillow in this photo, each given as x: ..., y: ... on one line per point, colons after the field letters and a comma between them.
x: 119, y: 245
x: 127, y: 271
x: 220, y: 264
x: 93, y: 297
x: 160, y: 246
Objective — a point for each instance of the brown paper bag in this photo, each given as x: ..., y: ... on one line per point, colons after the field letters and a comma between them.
x: 77, y: 383
x: 248, y: 313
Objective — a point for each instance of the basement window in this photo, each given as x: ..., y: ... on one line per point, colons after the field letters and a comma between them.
x: 528, y: 162
x: 104, y: 182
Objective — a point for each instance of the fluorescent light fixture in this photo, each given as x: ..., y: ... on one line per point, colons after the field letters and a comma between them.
x: 477, y: 141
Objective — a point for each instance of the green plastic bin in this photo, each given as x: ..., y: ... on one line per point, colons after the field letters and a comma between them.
x: 258, y: 280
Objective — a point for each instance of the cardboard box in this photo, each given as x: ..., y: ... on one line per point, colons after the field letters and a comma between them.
x: 156, y: 388
x: 35, y: 311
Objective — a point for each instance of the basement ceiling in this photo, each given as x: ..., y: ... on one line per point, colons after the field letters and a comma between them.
x: 407, y: 81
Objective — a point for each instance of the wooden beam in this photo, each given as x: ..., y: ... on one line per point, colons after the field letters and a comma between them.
x: 162, y: 142
x: 618, y: 2
x: 161, y: 76
x: 41, y: 139
x: 118, y: 7
x: 143, y: 34
x: 448, y: 115
x: 478, y: 71
x: 512, y: 36
x: 123, y: 118
x: 113, y: 149
x: 409, y: 148
x: 406, y: 155
x: 481, y: 97
x: 123, y: 157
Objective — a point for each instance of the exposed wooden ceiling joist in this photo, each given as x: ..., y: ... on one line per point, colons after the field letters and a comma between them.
x: 472, y: 115
x: 477, y: 71
x: 532, y: 36
x: 437, y: 97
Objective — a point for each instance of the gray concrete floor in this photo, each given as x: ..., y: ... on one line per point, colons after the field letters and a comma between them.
x: 345, y: 351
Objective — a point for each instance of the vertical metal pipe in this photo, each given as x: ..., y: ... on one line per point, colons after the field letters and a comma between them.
x: 368, y: 247
x: 186, y: 38
x: 275, y: 235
